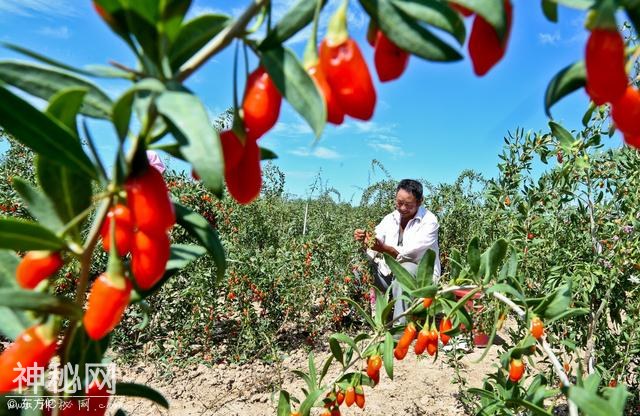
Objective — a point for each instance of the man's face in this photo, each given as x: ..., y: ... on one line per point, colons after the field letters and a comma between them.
x: 407, y: 204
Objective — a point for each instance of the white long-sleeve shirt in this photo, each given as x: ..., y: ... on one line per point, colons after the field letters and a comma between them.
x: 420, y: 234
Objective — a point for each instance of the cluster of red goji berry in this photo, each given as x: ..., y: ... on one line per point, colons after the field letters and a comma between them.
x: 140, y: 228
x: 352, y: 394
x: 516, y: 365
x: 607, y: 80
x: 427, y: 338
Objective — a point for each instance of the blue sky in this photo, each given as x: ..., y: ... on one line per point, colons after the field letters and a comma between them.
x: 437, y: 120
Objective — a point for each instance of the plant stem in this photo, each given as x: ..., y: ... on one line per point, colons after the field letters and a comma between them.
x: 220, y: 41
x: 557, y: 367
x: 85, y: 260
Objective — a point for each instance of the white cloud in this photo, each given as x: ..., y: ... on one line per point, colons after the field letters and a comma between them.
x: 33, y: 7
x: 318, y: 152
x: 292, y: 129
x: 61, y: 32
x: 549, y: 38
x: 389, y: 148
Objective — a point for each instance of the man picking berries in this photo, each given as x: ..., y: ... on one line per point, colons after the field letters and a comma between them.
x: 405, y: 234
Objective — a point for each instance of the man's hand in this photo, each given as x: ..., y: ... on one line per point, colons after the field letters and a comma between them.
x: 359, y: 235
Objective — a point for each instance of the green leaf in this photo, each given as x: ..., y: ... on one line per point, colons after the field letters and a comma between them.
x: 21, y: 235
x: 424, y: 292
x: 570, y: 79
x: 491, y: 10
x: 69, y: 191
x: 12, y: 322
x: 568, y: 314
x: 563, y: 135
x: 577, y: 4
x: 42, y: 134
x: 39, y: 302
x: 296, y: 86
x: 347, y: 340
x: 408, y: 34
x: 556, y: 303
x: 38, y: 204
x: 199, y: 228
x: 336, y: 350
x: 387, y: 355
x: 65, y: 106
x: 266, y: 154
x: 311, y: 399
x: 295, y: 19
x: 199, y: 142
x: 463, y: 301
x: 406, y: 280
x: 381, y: 304
x: 122, y: 107
x: 284, y: 404
x: 366, y: 316
x: 550, y: 10
x: 44, y: 82
x: 424, y: 274
x: 193, y: 35
x: 504, y: 288
x: 589, y: 403
x: 44, y: 59
x: 325, y: 368
x: 313, y: 373
x: 495, y: 256
x: 535, y: 409
x: 435, y: 13
x: 473, y: 255
x: 140, y: 390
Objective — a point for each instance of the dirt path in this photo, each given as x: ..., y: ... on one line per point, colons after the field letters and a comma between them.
x: 420, y: 387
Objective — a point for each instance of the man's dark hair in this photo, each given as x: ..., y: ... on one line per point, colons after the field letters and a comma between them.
x: 412, y: 186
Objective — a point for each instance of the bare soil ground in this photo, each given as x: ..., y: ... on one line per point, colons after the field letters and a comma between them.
x: 420, y: 387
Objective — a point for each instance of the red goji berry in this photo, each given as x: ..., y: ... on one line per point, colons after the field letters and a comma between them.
x: 244, y: 181
x: 445, y: 325
x: 149, y: 202
x: 348, y: 76
x: 149, y: 255
x: 36, y: 266
x: 261, y: 104
x: 33, y: 348
x: 360, y: 397
x: 432, y: 344
x: 374, y: 363
x: 123, y: 229
x: 537, y: 327
x: 626, y: 112
x: 516, y: 370
x: 335, y: 114
x: 426, y: 302
x: 400, y: 353
x: 339, y: 397
x: 485, y: 47
x: 423, y: 339
x: 604, y: 62
x: 350, y: 396
x: 408, y: 336
x: 633, y: 141
x: 390, y: 60
x: 107, y: 301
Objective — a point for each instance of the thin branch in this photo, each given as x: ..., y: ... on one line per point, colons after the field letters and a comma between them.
x: 557, y: 367
x: 220, y: 41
